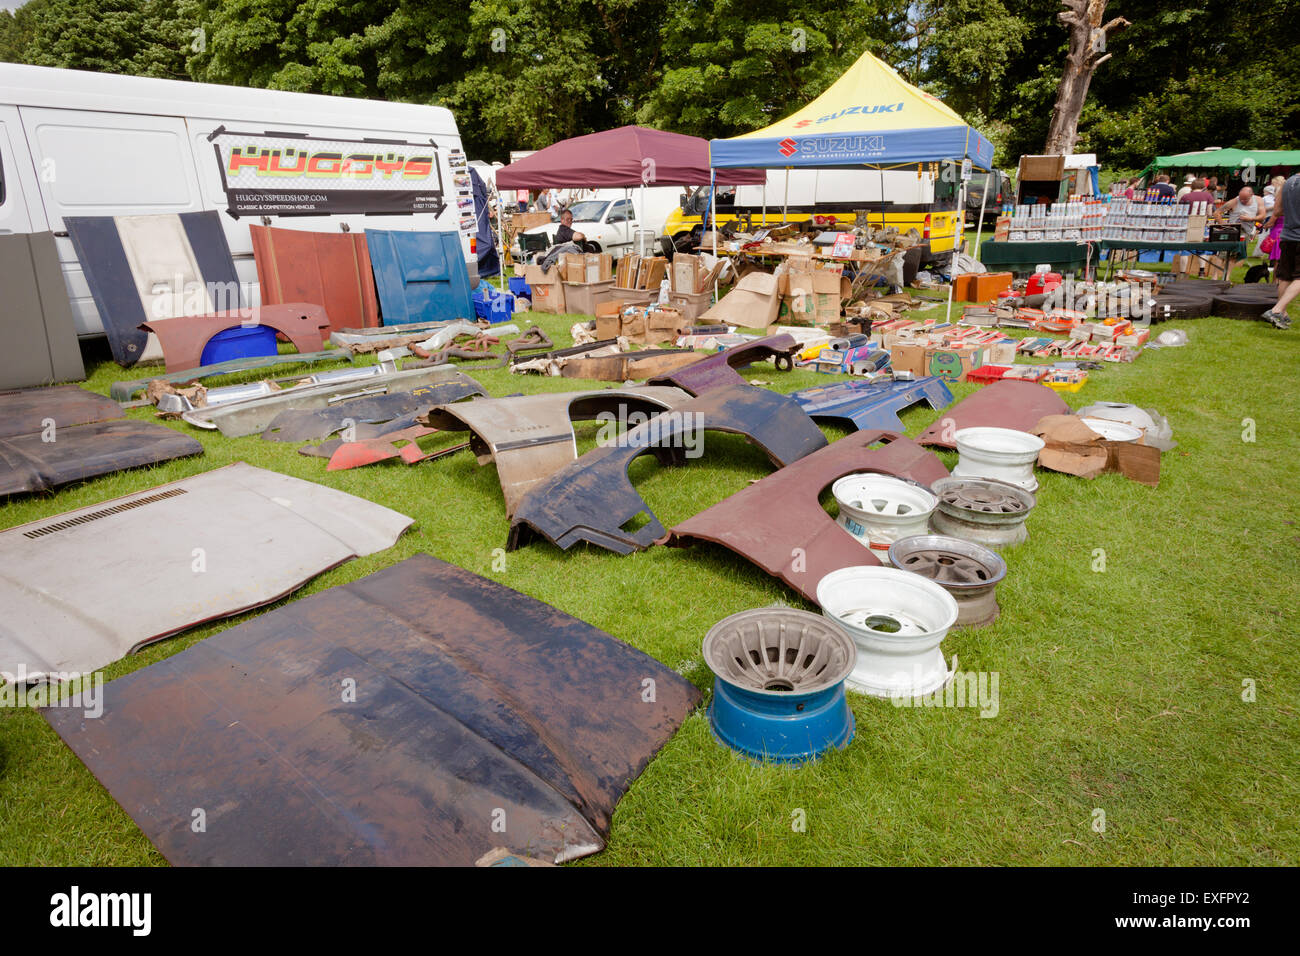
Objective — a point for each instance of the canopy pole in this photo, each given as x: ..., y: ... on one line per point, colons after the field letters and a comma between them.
x: 501, y: 236
x: 713, y: 222
x: 638, y: 217
x: 979, y: 226
x: 952, y: 269
x: 785, y: 205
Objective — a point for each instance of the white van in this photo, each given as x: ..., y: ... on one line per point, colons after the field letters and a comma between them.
x: 611, y: 218
x: 74, y: 143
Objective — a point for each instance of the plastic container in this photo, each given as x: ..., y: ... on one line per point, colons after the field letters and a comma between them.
x: 581, y: 298
x: 250, y: 342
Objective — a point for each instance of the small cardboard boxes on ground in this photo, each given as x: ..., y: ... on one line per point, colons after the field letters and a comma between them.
x: 588, y: 281
x: 647, y: 325
x: 692, y: 278
x: 547, y: 288
x: 810, y: 296
x: 952, y: 364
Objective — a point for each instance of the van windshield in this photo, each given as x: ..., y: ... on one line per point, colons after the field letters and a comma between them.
x: 589, y: 210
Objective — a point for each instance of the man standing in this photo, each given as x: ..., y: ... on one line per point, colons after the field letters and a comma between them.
x: 1163, y: 188
x: 1199, y: 194
x: 1287, y: 206
x: 1245, y: 209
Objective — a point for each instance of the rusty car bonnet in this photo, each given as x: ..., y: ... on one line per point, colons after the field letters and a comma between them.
x: 719, y: 370
x: 73, y: 603
x: 419, y: 716
x: 331, y: 269
x: 27, y: 411
x: 530, y: 437
x: 778, y: 523
x: 301, y: 424
x: 1003, y: 404
x: 593, y: 500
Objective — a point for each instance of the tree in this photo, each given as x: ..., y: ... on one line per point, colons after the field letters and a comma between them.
x: 1088, y: 42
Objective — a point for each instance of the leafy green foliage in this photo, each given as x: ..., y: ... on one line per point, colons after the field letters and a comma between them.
x: 525, y: 73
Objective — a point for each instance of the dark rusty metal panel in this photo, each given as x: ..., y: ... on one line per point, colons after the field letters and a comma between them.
x: 593, y: 500
x: 331, y: 269
x: 24, y: 411
x: 779, y: 524
x: 301, y: 424
x: 530, y: 437
x: 474, y: 704
x: 184, y: 337
x: 871, y: 405
x: 719, y: 370
x: 1003, y: 404
x: 30, y: 463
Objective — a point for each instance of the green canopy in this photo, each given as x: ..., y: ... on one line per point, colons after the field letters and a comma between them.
x: 1226, y: 159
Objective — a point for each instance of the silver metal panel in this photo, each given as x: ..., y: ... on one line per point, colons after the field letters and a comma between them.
x: 191, y: 551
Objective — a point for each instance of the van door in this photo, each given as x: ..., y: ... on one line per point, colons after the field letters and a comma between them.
x: 106, y: 164
x: 14, y: 215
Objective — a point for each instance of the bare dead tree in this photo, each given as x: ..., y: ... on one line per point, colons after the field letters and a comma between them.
x: 1088, y: 42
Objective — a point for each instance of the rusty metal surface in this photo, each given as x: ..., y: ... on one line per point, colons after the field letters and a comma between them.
x: 25, y: 411
x: 329, y: 269
x: 30, y: 463
x: 302, y: 424
x: 871, y: 405
x: 357, y: 454
x: 628, y: 366
x: 84, y: 588
x: 474, y: 705
x: 593, y: 500
x: 719, y: 370
x: 1003, y: 404
x: 531, y: 436
x: 183, y: 338
x: 778, y: 523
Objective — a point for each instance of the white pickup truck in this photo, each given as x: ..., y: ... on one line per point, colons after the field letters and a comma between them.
x: 608, y: 217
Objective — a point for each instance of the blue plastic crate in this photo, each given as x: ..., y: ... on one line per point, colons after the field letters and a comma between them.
x: 256, y: 340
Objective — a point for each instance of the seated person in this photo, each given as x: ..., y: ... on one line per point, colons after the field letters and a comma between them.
x: 565, y: 233
x: 1199, y: 194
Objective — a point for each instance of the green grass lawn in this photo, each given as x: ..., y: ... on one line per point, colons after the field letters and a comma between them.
x: 1120, y: 690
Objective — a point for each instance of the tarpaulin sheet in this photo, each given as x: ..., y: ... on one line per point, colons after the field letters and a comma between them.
x: 34, y: 463
x: 420, y: 276
x: 39, y: 331
x: 330, y: 269
x: 629, y: 156
x: 84, y: 588
x: 419, y: 716
x: 152, y: 268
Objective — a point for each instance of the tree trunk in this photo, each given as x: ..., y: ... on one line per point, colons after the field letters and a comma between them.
x: 1088, y: 38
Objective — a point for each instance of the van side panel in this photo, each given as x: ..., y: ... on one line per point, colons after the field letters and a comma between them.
x: 17, y: 184
x: 106, y: 164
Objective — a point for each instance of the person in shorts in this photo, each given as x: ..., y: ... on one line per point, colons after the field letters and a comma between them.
x: 1287, y: 206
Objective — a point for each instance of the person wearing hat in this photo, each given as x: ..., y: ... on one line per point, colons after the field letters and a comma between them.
x: 1187, y: 185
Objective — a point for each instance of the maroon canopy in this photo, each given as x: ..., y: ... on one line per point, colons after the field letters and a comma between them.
x: 620, y: 157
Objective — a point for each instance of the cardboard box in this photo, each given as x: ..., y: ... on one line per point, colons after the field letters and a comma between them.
x: 691, y: 305
x: 811, y: 298
x: 581, y: 298
x: 1040, y: 168
x: 953, y: 365
x: 962, y: 286
x: 547, y: 289
x: 753, y: 302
